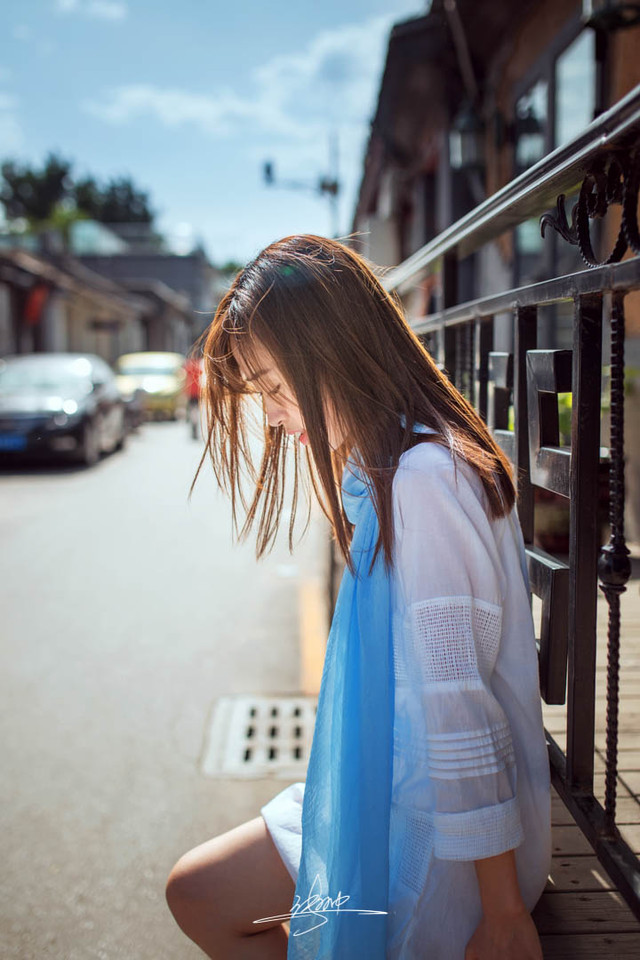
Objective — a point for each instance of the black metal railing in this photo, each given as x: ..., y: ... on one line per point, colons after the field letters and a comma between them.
x: 603, y: 164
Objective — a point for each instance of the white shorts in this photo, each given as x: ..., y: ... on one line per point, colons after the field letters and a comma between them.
x: 283, y: 817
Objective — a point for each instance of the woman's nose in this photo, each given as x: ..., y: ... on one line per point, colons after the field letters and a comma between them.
x: 275, y: 414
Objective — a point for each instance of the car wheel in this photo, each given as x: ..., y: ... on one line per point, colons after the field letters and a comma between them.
x: 90, y: 449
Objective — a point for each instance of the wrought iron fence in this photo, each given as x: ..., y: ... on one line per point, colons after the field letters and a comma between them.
x: 603, y: 164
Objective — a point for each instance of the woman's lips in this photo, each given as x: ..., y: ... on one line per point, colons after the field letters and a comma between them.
x: 301, y: 435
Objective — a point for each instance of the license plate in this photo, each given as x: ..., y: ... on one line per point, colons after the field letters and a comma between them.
x: 12, y: 441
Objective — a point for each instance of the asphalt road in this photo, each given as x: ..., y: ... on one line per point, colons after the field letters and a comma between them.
x: 126, y: 613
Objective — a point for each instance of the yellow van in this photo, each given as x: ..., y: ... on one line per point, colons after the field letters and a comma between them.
x: 160, y: 377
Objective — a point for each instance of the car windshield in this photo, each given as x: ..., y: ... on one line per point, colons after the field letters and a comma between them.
x: 148, y: 370
x: 61, y: 376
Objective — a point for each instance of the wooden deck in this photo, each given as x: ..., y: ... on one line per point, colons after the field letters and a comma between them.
x: 581, y: 914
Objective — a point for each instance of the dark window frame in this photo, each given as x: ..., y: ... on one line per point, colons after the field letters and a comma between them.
x: 545, y: 69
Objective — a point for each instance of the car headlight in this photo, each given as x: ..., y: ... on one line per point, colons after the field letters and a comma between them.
x: 57, y: 420
x: 62, y: 419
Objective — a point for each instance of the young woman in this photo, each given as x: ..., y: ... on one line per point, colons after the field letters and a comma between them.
x: 423, y: 827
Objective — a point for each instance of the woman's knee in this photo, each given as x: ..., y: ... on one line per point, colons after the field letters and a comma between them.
x: 182, y: 883
x: 192, y: 882
x: 234, y: 878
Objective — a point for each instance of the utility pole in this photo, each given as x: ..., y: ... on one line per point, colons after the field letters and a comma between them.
x: 328, y: 186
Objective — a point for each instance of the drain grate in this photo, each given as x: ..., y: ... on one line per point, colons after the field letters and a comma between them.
x: 260, y: 737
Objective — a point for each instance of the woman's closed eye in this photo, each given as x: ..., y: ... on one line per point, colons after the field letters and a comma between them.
x: 256, y: 392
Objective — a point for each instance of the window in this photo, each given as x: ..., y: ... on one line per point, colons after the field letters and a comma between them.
x: 575, y: 88
x: 532, y: 135
x: 531, y: 125
x: 551, y: 109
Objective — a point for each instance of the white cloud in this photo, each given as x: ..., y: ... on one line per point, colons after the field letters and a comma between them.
x: 94, y: 9
x: 334, y: 80
x: 216, y: 115
x: 296, y: 101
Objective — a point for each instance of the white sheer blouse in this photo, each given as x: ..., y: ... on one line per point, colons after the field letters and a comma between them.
x: 471, y: 770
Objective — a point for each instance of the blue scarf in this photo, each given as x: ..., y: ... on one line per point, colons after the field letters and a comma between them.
x: 341, y: 895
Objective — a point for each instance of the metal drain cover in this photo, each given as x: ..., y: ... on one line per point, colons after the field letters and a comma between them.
x: 260, y: 737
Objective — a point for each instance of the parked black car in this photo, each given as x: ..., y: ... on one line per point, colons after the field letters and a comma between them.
x: 59, y: 405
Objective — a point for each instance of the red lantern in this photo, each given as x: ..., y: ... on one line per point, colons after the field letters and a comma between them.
x: 35, y: 303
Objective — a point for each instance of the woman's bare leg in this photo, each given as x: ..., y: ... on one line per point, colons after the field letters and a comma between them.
x: 218, y: 888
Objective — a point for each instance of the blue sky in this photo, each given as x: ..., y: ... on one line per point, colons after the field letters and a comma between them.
x: 189, y: 97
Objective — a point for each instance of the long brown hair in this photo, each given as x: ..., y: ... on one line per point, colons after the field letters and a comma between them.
x: 339, y: 338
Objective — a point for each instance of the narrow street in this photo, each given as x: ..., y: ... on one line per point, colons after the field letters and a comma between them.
x: 127, y: 613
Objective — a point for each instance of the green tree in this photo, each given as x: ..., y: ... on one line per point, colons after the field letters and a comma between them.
x: 35, y: 194
x: 119, y: 201
x: 88, y: 197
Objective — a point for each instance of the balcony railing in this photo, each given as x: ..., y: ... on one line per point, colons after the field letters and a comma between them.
x: 603, y: 164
